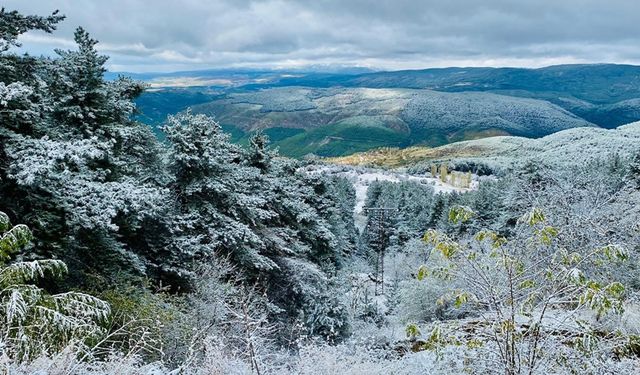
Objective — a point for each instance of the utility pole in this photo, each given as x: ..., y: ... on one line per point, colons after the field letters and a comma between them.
x: 379, y: 216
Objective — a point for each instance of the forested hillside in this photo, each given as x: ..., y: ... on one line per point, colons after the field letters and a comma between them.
x: 600, y: 93
x: 336, y: 121
x: 339, y: 114
x: 128, y: 215
x: 124, y: 254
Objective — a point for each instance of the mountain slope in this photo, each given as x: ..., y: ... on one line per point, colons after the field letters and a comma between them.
x: 338, y: 113
x: 596, y: 83
x: 561, y: 148
x: 604, y: 94
x: 339, y: 121
x: 585, y: 90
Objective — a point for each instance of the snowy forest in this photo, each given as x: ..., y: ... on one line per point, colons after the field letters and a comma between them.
x: 122, y: 253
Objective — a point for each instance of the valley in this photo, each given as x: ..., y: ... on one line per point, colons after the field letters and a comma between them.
x: 338, y: 114
x: 309, y: 216
x: 336, y: 122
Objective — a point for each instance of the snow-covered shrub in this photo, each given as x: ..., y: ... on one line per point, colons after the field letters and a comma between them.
x: 530, y: 288
x: 421, y: 301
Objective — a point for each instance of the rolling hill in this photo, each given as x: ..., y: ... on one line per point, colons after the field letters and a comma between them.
x: 339, y: 121
x: 586, y: 90
x: 339, y: 113
x: 561, y: 148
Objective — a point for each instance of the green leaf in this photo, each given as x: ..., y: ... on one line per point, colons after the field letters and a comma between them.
x: 412, y: 330
x: 547, y: 234
x: 482, y: 235
x: 422, y: 272
x: 615, y: 252
x: 14, y: 239
x: 449, y: 249
x: 526, y: 284
x: 533, y: 217
x: 461, y: 298
x: 615, y: 289
x: 460, y: 214
x: 431, y: 236
x: 496, y: 240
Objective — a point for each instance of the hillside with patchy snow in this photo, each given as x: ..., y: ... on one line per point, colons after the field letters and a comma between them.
x: 341, y: 121
x: 561, y: 148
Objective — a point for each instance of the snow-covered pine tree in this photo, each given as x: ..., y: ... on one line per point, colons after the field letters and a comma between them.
x: 259, y: 155
x: 33, y: 322
x: 100, y: 194
x: 73, y: 166
x: 22, y: 102
x: 84, y: 103
x: 257, y: 210
x: 213, y: 192
x: 13, y: 24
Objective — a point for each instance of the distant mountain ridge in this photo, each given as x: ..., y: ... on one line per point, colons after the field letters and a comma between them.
x: 577, y: 88
x: 316, y: 112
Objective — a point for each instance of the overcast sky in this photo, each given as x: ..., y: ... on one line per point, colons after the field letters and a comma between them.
x: 169, y: 35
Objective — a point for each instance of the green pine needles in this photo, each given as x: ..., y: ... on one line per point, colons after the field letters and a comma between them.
x: 33, y: 322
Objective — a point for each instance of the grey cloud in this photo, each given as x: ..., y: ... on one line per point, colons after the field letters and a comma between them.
x: 189, y: 34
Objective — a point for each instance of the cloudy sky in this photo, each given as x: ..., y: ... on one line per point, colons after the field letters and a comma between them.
x: 169, y: 35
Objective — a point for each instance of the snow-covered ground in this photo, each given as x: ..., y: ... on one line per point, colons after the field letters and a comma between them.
x: 561, y: 149
x: 361, y: 178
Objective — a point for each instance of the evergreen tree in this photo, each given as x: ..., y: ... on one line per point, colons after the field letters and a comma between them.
x: 13, y: 24
x: 72, y: 163
x: 33, y: 322
x: 256, y: 210
x: 259, y: 155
